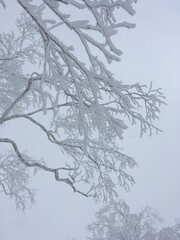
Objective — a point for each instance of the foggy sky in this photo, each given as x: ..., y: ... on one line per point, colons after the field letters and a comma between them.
x: 151, y: 52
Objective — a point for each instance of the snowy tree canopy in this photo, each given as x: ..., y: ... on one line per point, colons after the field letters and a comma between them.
x: 116, y: 222
x: 87, y: 108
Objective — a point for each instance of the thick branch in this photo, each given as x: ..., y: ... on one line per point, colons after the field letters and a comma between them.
x: 55, y: 171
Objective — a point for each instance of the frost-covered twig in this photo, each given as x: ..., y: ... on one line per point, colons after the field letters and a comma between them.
x: 55, y: 171
x: 87, y: 109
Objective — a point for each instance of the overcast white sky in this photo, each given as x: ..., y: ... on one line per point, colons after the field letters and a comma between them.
x: 151, y: 52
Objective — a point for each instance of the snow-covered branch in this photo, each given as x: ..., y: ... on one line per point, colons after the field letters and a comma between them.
x: 87, y: 109
x: 116, y: 221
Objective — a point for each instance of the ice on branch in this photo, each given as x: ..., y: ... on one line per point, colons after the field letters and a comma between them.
x: 14, y: 180
x: 88, y: 109
x: 116, y: 221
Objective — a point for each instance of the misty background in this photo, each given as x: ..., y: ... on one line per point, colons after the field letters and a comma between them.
x: 151, y: 52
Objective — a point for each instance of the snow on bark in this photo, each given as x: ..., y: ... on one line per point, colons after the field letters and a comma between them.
x: 91, y: 109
